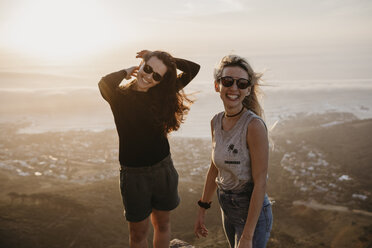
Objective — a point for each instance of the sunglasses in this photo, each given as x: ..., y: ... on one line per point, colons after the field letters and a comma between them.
x: 242, y: 83
x: 156, y: 76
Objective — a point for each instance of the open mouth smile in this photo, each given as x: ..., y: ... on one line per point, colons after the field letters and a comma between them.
x: 145, y: 81
x: 232, y: 96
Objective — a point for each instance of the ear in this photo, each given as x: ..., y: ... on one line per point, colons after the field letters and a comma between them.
x: 216, y: 86
x: 249, y: 91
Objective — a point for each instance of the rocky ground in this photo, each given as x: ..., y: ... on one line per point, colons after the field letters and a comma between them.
x: 61, y: 189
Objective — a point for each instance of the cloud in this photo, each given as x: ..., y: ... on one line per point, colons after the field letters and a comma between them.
x: 49, y: 91
x: 210, y: 7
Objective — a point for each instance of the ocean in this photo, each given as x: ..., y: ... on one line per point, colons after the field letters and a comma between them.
x: 61, y: 108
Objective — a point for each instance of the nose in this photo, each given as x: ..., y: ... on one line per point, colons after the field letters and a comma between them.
x: 148, y: 76
x: 149, y: 79
x: 235, y: 85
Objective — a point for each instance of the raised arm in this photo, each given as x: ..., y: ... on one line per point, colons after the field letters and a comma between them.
x: 109, y: 83
x: 189, y: 70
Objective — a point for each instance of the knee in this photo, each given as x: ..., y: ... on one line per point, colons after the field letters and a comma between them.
x: 137, y: 236
x: 162, y: 227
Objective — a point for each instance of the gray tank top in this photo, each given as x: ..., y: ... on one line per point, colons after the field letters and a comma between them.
x: 230, y: 152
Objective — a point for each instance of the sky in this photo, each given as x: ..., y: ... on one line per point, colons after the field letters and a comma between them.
x: 53, y: 52
x: 292, y: 39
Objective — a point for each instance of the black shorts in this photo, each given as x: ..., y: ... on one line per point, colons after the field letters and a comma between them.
x: 147, y: 188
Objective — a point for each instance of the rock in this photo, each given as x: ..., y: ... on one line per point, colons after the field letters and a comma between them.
x: 176, y: 243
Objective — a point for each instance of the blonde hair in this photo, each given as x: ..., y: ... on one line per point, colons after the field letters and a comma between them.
x: 251, y: 101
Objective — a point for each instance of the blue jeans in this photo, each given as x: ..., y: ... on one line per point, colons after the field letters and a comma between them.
x: 234, y: 209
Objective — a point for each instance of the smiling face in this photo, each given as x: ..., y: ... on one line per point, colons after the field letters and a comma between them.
x: 145, y: 81
x: 232, y: 96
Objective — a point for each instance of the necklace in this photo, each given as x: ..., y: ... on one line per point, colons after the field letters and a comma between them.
x: 235, y: 114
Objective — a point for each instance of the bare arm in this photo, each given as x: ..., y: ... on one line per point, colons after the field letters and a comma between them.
x: 210, y: 187
x: 257, y: 141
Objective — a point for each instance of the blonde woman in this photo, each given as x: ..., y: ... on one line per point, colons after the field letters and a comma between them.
x: 239, y: 165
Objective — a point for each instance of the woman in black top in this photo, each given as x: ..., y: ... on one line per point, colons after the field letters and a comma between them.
x: 145, y: 111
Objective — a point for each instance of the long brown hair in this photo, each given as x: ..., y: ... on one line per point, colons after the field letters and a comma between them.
x: 251, y: 101
x: 170, y: 103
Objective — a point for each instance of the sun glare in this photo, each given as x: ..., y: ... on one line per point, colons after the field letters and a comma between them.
x: 61, y: 29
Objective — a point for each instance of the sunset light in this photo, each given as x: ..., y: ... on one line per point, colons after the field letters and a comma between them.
x: 60, y: 29
x: 100, y: 147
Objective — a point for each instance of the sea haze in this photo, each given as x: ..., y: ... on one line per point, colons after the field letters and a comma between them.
x: 78, y: 105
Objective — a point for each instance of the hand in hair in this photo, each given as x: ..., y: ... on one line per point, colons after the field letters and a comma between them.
x: 142, y: 53
x: 131, y: 71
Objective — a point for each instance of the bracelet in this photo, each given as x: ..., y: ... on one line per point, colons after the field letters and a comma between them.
x: 204, y: 205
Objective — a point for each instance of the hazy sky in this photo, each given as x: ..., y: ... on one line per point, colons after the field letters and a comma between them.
x: 55, y: 51
x: 56, y: 32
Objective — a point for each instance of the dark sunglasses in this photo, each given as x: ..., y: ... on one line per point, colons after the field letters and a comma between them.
x: 148, y: 69
x: 242, y: 83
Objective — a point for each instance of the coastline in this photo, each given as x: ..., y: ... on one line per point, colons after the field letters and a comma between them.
x: 67, y: 182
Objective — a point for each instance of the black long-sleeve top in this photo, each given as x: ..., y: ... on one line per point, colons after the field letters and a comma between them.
x: 141, y: 141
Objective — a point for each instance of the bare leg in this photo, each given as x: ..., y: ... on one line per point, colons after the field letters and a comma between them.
x: 138, y: 233
x: 161, y: 222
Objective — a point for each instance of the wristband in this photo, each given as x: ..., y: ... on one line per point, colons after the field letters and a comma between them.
x: 204, y: 205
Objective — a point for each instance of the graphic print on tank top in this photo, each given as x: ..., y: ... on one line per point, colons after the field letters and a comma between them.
x: 233, y: 152
x: 230, y: 152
